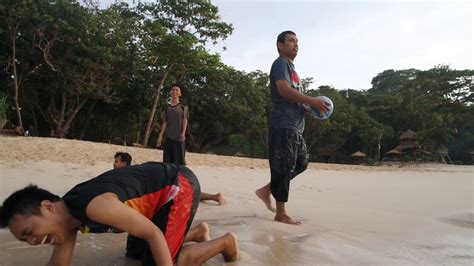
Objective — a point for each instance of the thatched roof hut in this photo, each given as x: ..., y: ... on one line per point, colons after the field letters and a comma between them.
x: 394, y: 152
x: 408, y: 135
x: 359, y: 154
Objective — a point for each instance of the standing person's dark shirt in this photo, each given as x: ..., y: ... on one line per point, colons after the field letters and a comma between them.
x: 284, y: 113
x: 174, y: 116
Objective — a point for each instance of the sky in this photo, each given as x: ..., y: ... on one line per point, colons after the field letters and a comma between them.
x: 345, y: 43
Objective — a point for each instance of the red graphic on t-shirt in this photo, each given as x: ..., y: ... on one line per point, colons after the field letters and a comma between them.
x: 295, y: 80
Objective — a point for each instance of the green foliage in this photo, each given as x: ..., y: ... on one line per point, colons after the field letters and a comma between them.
x: 96, y: 74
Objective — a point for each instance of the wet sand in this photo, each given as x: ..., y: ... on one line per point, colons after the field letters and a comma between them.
x: 352, y: 215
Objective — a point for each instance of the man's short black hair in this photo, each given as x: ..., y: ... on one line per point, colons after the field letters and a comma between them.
x: 124, y: 157
x: 282, y: 36
x: 26, y: 201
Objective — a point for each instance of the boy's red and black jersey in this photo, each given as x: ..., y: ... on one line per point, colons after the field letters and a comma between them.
x: 145, y: 188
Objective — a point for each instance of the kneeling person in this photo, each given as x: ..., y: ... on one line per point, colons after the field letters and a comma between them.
x: 152, y: 201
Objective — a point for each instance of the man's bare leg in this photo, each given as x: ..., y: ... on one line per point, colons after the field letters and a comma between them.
x: 199, y: 233
x: 199, y: 253
x: 264, y: 193
x: 219, y: 198
x: 281, y: 215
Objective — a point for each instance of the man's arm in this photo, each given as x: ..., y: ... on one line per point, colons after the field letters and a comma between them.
x: 295, y: 96
x: 108, y: 209
x: 162, y: 132
x: 62, y: 254
x: 182, y: 134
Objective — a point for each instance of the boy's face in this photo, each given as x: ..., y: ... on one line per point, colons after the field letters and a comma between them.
x: 46, y: 228
x: 175, y: 92
x: 118, y: 163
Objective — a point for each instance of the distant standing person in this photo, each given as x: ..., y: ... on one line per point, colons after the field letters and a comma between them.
x: 288, y: 156
x: 175, y: 123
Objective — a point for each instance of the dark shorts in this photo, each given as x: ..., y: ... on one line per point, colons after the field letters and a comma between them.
x: 174, y: 152
x: 174, y: 219
x: 288, y: 157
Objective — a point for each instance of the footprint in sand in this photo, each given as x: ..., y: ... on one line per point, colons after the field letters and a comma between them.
x: 304, y: 188
x: 465, y: 219
x: 296, y: 238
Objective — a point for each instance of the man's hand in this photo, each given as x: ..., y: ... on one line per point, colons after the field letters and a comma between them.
x: 182, y: 137
x: 159, y: 141
x: 320, y: 104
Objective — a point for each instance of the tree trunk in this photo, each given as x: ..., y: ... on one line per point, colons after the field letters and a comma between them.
x: 15, y: 79
x: 88, y: 119
x: 205, y: 147
x: 155, y: 104
x: 60, y: 119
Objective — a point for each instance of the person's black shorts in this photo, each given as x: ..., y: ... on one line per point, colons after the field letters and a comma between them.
x: 174, y: 152
x: 288, y: 157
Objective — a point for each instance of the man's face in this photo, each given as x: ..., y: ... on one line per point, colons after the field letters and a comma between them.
x: 175, y: 92
x: 290, y: 47
x: 118, y: 163
x: 46, y: 228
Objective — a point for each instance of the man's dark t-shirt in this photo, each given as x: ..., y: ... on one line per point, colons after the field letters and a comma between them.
x: 145, y: 188
x: 284, y: 113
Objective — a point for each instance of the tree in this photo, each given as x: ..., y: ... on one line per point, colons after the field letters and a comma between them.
x: 174, y: 31
x: 17, y: 18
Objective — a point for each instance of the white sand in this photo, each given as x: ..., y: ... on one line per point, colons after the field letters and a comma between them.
x: 352, y: 215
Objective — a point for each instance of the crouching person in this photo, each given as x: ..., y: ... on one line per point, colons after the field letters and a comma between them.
x: 153, y: 201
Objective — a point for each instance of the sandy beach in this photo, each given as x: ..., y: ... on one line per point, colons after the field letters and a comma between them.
x: 352, y: 215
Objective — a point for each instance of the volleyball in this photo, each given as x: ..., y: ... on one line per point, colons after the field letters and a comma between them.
x: 323, y: 115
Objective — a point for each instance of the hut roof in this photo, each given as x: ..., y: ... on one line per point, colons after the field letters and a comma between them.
x: 409, y: 134
x: 394, y: 152
x: 358, y: 154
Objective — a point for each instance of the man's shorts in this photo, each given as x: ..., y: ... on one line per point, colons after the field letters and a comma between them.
x: 174, y: 219
x: 288, y: 157
x: 174, y: 151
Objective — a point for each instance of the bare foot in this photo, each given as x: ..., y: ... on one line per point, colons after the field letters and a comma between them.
x: 221, y: 199
x: 231, y: 253
x: 283, y: 218
x: 199, y: 233
x: 202, y: 233
x: 264, y: 195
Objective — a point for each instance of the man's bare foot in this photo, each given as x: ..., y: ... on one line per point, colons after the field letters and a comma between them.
x: 221, y: 199
x: 199, y: 233
x: 202, y: 233
x: 283, y: 218
x: 231, y: 252
x: 264, y: 195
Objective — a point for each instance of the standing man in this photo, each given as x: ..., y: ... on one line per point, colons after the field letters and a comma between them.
x: 287, y: 152
x: 175, y: 123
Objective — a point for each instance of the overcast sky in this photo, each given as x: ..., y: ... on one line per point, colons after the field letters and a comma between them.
x: 346, y: 43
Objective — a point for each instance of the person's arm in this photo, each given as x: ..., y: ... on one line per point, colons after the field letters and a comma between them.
x: 162, y: 132
x: 62, y: 254
x: 182, y: 134
x: 108, y: 209
x: 295, y: 96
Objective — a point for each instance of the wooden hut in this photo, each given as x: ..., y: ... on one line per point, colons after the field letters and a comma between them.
x: 358, y: 157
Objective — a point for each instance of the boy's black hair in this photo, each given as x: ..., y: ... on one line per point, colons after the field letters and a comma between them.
x: 26, y: 201
x: 124, y: 157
